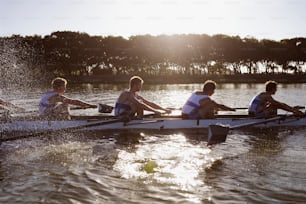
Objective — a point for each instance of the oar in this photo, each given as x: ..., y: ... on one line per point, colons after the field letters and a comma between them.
x: 217, y: 133
x: 74, y: 128
x: 104, y: 108
x: 22, y: 111
x: 296, y: 107
x: 123, y: 119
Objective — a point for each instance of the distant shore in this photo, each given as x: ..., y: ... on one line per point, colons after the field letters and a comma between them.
x: 183, y: 79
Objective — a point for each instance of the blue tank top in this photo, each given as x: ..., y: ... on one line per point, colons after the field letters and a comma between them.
x: 192, y: 104
x: 120, y: 108
x: 256, y: 104
x: 44, y: 104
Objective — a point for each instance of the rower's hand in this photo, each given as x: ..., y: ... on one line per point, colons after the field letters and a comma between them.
x: 298, y: 113
x: 93, y: 106
x: 168, y: 111
x: 89, y: 106
x: 157, y: 113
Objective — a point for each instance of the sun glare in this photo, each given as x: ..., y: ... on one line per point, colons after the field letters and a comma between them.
x: 179, y: 168
x: 165, y: 17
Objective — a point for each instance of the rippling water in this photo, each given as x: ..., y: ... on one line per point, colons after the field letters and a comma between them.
x: 253, y: 166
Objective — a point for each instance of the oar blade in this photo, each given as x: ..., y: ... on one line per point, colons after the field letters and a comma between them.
x: 217, y: 134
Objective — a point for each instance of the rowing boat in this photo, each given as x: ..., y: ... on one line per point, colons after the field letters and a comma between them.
x: 160, y: 123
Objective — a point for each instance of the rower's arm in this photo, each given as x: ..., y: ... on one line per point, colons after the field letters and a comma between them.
x: 223, y: 107
x: 77, y: 102
x: 155, y: 106
x: 286, y: 107
x: 142, y: 102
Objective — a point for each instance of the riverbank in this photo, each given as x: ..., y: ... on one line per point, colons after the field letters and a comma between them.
x: 187, y: 79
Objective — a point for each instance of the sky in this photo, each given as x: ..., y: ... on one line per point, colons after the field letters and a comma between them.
x: 261, y: 19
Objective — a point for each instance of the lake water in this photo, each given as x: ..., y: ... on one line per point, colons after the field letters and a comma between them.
x: 265, y: 166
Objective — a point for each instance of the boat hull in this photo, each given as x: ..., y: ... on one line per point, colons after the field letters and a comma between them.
x: 146, y: 124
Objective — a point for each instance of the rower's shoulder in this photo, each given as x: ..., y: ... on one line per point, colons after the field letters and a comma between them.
x: 125, y: 92
x: 199, y: 93
x: 124, y: 95
x: 265, y: 95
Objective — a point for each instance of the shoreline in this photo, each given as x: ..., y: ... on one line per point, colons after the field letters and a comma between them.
x: 183, y: 79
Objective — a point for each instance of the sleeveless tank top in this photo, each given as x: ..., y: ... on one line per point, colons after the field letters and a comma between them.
x: 192, y: 103
x: 121, y: 108
x: 255, y: 104
x: 44, y: 104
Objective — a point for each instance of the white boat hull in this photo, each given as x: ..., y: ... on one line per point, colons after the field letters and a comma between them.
x: 146, y: 124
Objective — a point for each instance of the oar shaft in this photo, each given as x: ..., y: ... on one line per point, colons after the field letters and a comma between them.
x: 297, y: 107
x: 73, y: 128
x: 262, y: 121
x: 218, y: 133
x: 7, y: 139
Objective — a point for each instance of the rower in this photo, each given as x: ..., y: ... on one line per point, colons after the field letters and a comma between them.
x: 200, y: 105
x: 54, y: 105
x: 264, y: 106
x: 130, y: 103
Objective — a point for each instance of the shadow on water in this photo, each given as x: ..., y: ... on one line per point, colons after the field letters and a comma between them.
x: 128, y: 138
x: 196, y: 136
x: 106, y: 150
x: 151, y: 166
x: 249, y: 143
x: 260, y: 169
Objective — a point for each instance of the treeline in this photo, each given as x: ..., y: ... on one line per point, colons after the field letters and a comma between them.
x: 79, y: 54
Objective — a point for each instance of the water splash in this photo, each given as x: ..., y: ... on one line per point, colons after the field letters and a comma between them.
x: 20, y: 64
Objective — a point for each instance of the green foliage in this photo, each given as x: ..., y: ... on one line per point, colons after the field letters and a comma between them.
x: 78, y: 54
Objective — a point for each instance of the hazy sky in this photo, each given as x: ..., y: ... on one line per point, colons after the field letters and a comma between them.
x: 272, y: 19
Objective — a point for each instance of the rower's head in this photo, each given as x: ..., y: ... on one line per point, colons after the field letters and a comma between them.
x: 271, y: 87
x: 59, y: 84
x: 209, y: 87
x: 136, y: 83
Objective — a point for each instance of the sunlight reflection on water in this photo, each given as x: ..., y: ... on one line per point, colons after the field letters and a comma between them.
x: 179, y: 163
x: 112, y: 170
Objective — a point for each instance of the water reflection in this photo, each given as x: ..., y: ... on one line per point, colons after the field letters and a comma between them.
x: 178, y: 163
x: 252, y: 166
